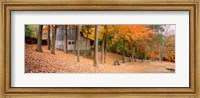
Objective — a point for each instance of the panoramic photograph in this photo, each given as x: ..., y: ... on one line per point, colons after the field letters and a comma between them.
x: 74, y: 48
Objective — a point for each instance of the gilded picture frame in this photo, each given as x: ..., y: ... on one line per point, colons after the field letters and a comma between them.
x: 191, y: 6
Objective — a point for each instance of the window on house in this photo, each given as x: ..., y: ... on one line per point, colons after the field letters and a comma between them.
x: 72, y: 42
x: 69, y: 43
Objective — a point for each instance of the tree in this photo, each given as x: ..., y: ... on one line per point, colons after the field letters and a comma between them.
x: 39, y: 39
x: 130, y: 38
x: 28, y: 31
x: 86, y: 29
x: 124, y: 32
x: 75, y: 41
x: 78, y: 42
x: 106, y: 35
x: 96, y: 47
x: 48, y: 38
x: 54, y: 28
x: 170, y: 48
x: 65, y: 39
x: 138, y: 33
x: 103, y: 46
x: 114, y: 40
x: 159, y: 38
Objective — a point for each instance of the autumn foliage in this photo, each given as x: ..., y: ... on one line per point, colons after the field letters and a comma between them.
x: 146, y: 41
x: 143, y: 47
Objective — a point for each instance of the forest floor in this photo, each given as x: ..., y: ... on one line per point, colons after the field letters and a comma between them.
x: 45, y: 62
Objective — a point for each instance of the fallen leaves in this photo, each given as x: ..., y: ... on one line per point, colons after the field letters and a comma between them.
x: 37, y: 62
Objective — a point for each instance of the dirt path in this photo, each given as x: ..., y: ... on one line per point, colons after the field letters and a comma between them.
x: 36, y: 62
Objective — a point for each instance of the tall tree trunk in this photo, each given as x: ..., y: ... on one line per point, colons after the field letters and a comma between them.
x: 39, y: 39
x: 103, y: 49
x: 86, y: 45
x: 75, y: 42
x: 48, y: 38
x: 65, y: 39
x: 53, y: 39
x: 124, y: 50
x: 133, y: 54
x: 78, y: 46
x: 96, y: 47
x: 145, y: 55
x: 117, y: 48
x: 153, y: 55
x: 103, y: 46
x: 160, y: 54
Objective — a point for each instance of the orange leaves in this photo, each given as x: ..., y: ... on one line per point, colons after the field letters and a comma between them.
x: 130, y: 33
x: 134, y: 32
x: 123, y: 29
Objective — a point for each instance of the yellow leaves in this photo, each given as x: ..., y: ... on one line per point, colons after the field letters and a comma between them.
x: 101, y: 31
x: 90, y: 36
x: 88, y: 31
x: 108, y: 29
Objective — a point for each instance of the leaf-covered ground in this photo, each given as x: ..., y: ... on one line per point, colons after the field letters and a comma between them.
x: 37, y: 62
